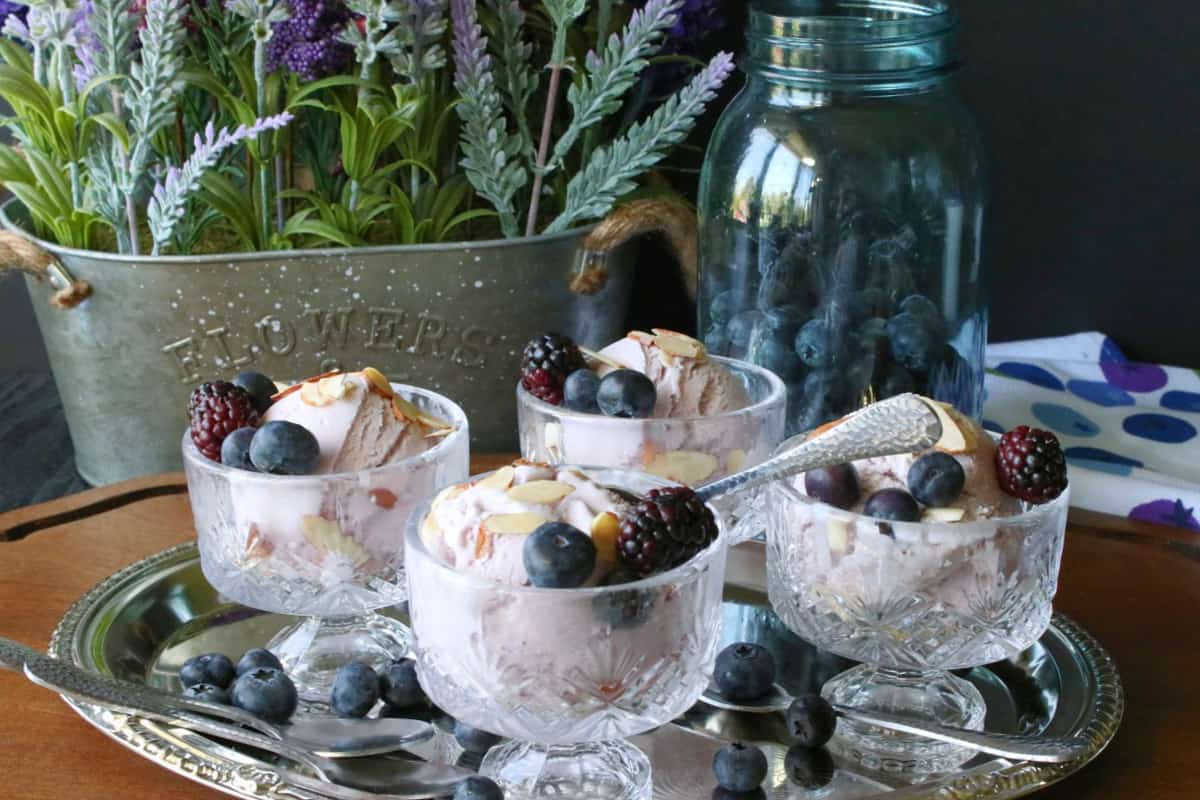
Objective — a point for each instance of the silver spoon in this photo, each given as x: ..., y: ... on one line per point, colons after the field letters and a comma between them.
x: 326, y: 736
x: 1045, y: 749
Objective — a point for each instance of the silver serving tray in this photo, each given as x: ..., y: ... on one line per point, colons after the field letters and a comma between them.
x: 143, y: 622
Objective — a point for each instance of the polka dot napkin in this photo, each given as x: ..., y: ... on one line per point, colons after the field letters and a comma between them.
x: 1129, y: 430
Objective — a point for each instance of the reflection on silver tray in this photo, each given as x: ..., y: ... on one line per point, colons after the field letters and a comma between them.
x: 143, y: 622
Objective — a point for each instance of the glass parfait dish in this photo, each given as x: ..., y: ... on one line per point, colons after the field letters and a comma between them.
x: 691, y: 450
x: 566, y: 674
x: 911, y: 601
x: 326, y: 547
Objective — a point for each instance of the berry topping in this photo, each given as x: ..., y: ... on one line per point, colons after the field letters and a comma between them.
x: 559, y: 556
x: 216, y: 410
x: 836, y: 485
x: 474, y: 740
x: 355, y: 689
x: 258, y: 657
x: 813, y: 344
x: 936, y: 479
x: 477, y: 787
x: 266, y: 693
x: 740, y: 767
x: 809, y: 767
x: 744, y: 671
x: 916, y: 342
x: 235, y: 450
x: 285, y: 448
x: 1031, y: 465
x: 207, y: 693
x: 545, y: 364
x: 398, y: 684
x: 896, y: 505
x: 626, y: 393
x: 811, y: 720
x: 211, y: 668
x: 667, y: 528
x: 579, y: 391
x: 259, y: 387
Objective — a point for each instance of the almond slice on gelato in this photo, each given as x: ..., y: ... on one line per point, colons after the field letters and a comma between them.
x: 678, y: 344
x: 685, y: 466
x: 378, y: 382
x: 521, y: 522
x: 325, y: 535
x: 311, y: 395
x: 601, y: 358
x: 945, y: 514
x: 500, y: 479
x: 542, y: 492
x: 335, y: 387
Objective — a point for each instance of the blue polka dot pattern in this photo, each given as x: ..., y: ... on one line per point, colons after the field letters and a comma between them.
x: 1102, y: 460
x: 1100, y: 393
x: 994, y: 427
x: 1159, y: 428
x: 1031, y: 374
x: 1177, y: 400
x: 1065, y: 420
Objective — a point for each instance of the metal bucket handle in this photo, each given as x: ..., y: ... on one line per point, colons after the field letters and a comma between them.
x: 17, y: 252
x: 675, y: 220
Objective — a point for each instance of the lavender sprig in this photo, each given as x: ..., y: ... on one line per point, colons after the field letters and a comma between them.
x: 423, y: 23
x: 490, y: 154
x: 610, y: 172
x: 515, y: 79
x: 308, y: 43
x: 152, y: 83
x: 169, y: 199
x: 611, y: 75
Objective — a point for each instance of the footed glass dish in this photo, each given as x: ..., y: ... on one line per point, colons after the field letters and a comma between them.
x: 911, y: 601
x: 329, y: 547
x: 566, y: 674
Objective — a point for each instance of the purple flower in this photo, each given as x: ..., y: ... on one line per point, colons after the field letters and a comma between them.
x: 695, y: 21
x: 8, y: 9
x: 307, y: 43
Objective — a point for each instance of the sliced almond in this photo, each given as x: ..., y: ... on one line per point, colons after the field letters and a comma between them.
x: 600, y: 358
x: 665, y: 356
x: 258, y: 547
x: 311, y: 395
x: 438, y: 432
x: 404, y: 410
x: 837, y: 532
x: 735, y: 460
x: 641, y: 337
x: 430, y: 532
x: 431, y: 421
x: 944, y: 514
x: 958, y: 432
x: 678, y: 344
x: 378, y: 382
x: 500, y: 479
x: 545, y: 493
x: 552, y: 439
x: 684, y: 466
x: 449, y: 493
x: 325, y: 535
x: 510, y: 524
x: 605, y: 527
x: 336, y: 387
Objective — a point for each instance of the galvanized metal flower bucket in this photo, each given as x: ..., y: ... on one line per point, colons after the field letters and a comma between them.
x: 129, y: 337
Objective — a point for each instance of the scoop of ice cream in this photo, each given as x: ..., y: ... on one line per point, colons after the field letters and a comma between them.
x: 358, y: 423
x: 688, y: 382
x: 481, y: 527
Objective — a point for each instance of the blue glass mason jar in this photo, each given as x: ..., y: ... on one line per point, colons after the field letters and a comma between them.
x: 841, y: 209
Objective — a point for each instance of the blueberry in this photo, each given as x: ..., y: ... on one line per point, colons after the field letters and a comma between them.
x: 915, y: 346
x: 715, y: 340
x: 477, y: 787
x: 813, y: 344
x: 809, y: 767
x: 936, y: 479
x: 872, y: 334
x: 741, y: 327
x: 626, y: 393
x: 744, y: 671
x: 285, y: 448
x: 474, y: 740
x: 266, y: 693
x: 780, y: 358
x: 623, y: 609
x: 355, y: 689
x: 258, y: 657
x: 559, y: 556
x: 926, y: 310
x: 721, y: 793
x: 579, y: 391
x: 784, y: 322
x: 208, y: 693
x: 235, y: 450
x: 260, y: 388
x: 211, y: 668
x: 825, y: 389
x: 896, y: 505
x: 398, y: 684
x: 811, y: 720
x: 740, y: 767
x: 720, y: 310
x: 896, y: 380
x: 871, y: 303
x: 836, y: 485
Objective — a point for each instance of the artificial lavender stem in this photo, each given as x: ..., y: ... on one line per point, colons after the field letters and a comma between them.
x: 264, y: 168
x: 543, y: 148
x: 279, y: 214
x: 66, y: 84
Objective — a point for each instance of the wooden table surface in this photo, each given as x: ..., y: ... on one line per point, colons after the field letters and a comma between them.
x: 1136, y: 587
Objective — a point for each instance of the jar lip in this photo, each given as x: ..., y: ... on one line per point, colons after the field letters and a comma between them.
x: 852, y: 21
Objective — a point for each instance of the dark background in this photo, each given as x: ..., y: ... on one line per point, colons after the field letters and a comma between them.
x: 1091, y: 110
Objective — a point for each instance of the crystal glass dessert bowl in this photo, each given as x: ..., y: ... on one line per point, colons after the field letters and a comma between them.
x: 959, y: 588
x: 328, y: 547
x: 566, y: 673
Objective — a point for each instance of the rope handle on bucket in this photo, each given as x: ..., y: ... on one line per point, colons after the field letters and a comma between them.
x: 17, y: 252
x: 675, y: 220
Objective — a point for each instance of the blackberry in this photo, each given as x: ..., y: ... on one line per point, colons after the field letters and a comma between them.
x: 1031, y: 465
x: 668, y: 527
x: 216, y: 410
x: 545, y: 364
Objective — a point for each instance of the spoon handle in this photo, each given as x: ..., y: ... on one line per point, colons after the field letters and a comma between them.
x: 1045, y: 749
x: 902, y: 424
x: 91, y: 687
